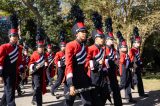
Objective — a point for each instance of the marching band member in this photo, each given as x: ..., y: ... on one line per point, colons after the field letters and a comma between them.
x: 59, y: 60
x: 136, y: 61
x: 110, y: 63
x: 124, y: 68
x: 75, y: 55
x: 10, y: 63
x: 38, y: 63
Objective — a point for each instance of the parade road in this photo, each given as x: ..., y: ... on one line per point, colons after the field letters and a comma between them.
x: 49, y: 100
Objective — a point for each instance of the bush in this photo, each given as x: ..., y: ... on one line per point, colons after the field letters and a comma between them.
x: 149, y: 75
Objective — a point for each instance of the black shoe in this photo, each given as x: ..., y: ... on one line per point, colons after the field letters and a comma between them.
x: 21, y: 93
x: 34, y: 102
x: 144, y: 95
x: 26, y: 82
x: 132, y: 101
x: 53, y: 94
x: 121, y: 87
x: 3, y: 104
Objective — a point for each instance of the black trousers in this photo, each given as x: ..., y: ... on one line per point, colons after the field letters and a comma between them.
x: 101, y: 93
x: 126, y: 82
x: 140, y: 82
x: 60, y: 76
x: 37, y: 94
x: 80, y: 80
x: 85, y: 98
x: 24, y: 81
x: 96, y: 97
x: 18, y: 88
x: 104, y: 94
x: 48, y: 73
x: 8, y: 97
x: 114, y: 86
x: 123, y: 79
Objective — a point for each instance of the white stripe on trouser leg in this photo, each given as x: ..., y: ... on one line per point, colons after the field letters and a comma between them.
x: 69, y: 75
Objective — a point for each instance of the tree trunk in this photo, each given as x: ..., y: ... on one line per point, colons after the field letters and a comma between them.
x: 34, y: 10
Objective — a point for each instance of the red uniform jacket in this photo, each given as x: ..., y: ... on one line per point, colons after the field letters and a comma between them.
x: 123, y: 62
x: 20, y: 61
x: 36, y: 58
x: 135, y: 56
x: 10, y: 58
x: 110, y: 54
x: 94, y: 55
x: 58, y: 57
x: 111, y: 58
x: 50, y: 57
x: 77, y: 51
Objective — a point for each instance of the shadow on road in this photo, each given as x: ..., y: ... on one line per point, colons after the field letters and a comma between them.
x: 61, y: 103
x: 152, y: 100
x: 54, y: 103
x: 77, y: 102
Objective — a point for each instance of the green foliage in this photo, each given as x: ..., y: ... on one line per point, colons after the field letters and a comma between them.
x: 150, y: 75
x: 54, y: 16
x: 41, y: 12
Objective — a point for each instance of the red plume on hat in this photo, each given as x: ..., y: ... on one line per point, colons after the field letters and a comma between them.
x: 14, y: 25
x: 97, y: 20
x: 109, y: 29
x: 136, y: 36
x: 76, y: 14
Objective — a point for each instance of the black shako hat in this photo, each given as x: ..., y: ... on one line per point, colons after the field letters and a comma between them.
x: 14, y: 25
x: 97, y: 20
x: 78, y: 17
x: 122, y: 41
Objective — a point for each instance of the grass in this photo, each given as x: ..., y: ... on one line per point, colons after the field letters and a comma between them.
x: 151, y: 84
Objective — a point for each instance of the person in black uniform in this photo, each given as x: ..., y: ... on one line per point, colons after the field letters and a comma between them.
x: 21, y: 73
x: 26, y: 58
x: 59, y: 60
x: 50, y: 69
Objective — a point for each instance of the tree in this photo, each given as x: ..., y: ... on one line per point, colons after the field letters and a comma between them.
x: 45, y: 13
